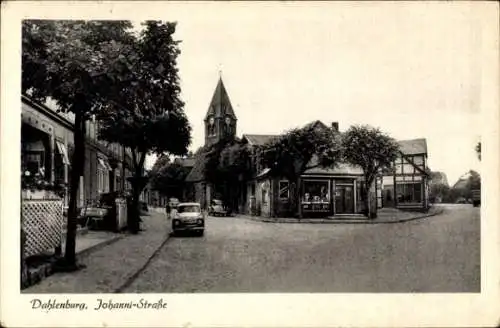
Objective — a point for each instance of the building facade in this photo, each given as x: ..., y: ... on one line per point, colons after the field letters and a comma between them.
x: 220, y: 123
x: 318, y: 192
x: 47, y: 144
x: 407, y: 186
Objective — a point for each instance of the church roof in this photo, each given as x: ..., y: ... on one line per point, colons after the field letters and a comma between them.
x: 186, y: 162
x: 220, y: 104
x: 197, y: 173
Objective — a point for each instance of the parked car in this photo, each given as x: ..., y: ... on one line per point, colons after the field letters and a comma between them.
x: 188, y: 217
x: 217, y: 208
x: 476, y: 197
x: 100, y: 214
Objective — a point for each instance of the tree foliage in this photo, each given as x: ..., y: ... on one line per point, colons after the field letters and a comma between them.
x: 228, y: 168
x: 146, y: 113
x: 161, y: 161
x: 373, y: 151
x: 73, y: 61
x: 169, y: 179
x: 478, y: 150
x: 228, y: 161
x: 75, y: 64
x: 292, y: 153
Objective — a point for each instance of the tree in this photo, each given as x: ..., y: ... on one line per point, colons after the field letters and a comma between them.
x: 373, y: 151
x: 473, y: 182
x: 147, y: 114
x: 478, y: 150
x: 169, y: 179
x: 228, y: 167
x: 300, y: 149
x: 161, y: 161
x: 440, y: 190
x: 73, y: 63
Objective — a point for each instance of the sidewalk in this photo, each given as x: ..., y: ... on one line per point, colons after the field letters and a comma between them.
x: 109, y: 268
x: 385, y: 215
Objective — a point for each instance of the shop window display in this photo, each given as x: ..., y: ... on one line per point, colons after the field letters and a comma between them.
x: 316, y: 196
x: 409, y: 192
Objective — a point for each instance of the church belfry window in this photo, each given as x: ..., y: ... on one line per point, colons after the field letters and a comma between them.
x: 211, y: 126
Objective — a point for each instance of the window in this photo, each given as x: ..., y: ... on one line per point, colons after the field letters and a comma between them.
x: 284, y: 187
x: 61, y: 148
x: 315, y: 196
x: 409, y: 192
x: 58, y: 169
x: 100, y: 180
x: 118, y: 183
x: 360, y: 196
x: 316, y: 191
x: 264, y: 195
x: 34, y: 161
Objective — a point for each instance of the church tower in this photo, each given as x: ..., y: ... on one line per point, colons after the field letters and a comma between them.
x: 220, y: 121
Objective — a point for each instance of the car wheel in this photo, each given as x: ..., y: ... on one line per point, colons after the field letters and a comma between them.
x: 200, y: 233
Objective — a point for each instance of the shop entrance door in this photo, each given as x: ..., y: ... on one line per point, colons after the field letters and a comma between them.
x: 344, y: 199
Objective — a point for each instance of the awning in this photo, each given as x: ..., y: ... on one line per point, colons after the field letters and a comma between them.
x: 105, y: 165
x: 263, y: 173
x: 63, y: 152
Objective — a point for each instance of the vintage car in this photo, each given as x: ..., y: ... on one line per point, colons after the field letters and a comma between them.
x: 476, y: 197
x: 217, y: 208
x: 100, y: 214
x: 188, y: 217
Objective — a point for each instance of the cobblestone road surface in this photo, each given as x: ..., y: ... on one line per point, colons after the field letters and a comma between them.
x: 438, y: 254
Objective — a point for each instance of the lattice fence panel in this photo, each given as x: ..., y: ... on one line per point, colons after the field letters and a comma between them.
x: 43, y: 224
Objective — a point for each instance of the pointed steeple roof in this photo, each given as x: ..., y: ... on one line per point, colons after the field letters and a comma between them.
x: 220, y: 105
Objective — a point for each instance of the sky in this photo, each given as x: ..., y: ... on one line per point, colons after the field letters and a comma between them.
x: 414, y: 71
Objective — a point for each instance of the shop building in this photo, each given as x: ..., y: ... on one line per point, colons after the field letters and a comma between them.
x: 407, y: 187
x: 47, y: 144
x: 319, y: 192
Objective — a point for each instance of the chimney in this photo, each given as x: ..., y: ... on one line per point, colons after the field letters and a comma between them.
x: 335, y: 126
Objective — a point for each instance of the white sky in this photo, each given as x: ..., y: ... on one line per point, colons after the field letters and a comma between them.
x: 412, y: 71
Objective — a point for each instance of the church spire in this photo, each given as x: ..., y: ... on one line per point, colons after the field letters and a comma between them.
x: 220, y: 120
x: 220, y: 106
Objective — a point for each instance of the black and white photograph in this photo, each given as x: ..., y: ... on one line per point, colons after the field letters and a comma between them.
x: 248, y: 148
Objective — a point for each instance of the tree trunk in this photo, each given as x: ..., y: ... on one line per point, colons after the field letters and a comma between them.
x: 134, y: 225
x: 370, y: 212
x: 77, y: 161
x: 366, y: 201
x: 294, y: 197
x: 138, y: 183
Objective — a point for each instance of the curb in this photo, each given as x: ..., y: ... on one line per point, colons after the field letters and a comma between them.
x: 100, y: 245
x: 304, y: 221
x: 134, y: 275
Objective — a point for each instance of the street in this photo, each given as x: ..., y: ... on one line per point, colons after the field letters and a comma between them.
x: 437, y: 254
